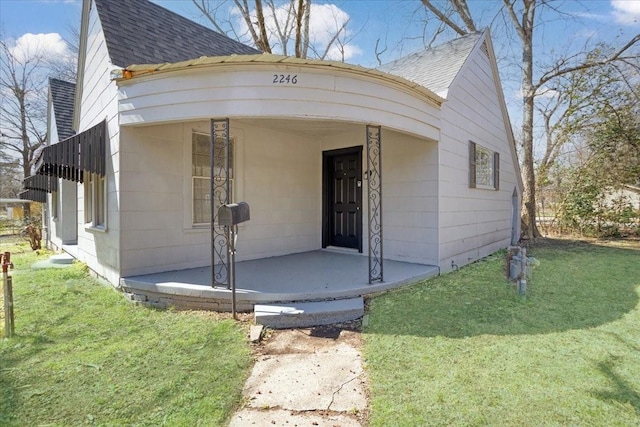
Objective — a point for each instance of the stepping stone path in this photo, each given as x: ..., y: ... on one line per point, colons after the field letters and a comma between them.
x: 306, y: 377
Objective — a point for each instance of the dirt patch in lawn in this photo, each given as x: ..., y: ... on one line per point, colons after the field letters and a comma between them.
x: 311, y: 376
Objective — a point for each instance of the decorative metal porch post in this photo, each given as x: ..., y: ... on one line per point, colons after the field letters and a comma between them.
x: 220, y: 192
x: 374, y: 187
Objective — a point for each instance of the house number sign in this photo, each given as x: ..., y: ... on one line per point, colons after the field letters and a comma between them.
x: 285, y: 79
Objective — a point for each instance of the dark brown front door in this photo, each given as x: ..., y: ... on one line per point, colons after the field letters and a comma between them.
x: 344, y: 198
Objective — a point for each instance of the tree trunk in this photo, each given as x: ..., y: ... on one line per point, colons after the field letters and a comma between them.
x: 263, y: 41
x: 299, y: 17
x: 26, y: 160
x: 528, y: 176
x: 528, y: 94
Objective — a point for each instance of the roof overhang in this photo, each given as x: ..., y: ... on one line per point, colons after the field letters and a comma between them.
x: 245, y: 87
x: 140, y: 70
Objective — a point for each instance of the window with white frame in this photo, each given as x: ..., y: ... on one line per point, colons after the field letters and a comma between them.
x: 55, y: 205
x: 484, y: 167
x: 201, y: 175
x: 95, y: 210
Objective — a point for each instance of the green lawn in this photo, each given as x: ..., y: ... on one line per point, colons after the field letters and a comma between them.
x: 463, y: 349
x: 83, y: 355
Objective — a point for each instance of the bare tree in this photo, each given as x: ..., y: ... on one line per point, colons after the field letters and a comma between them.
x: 11, y: 176
x: 273, y: 27
x: 23, y: 109
x: 455, y: 14
x: 25, y: 66
x: 569, y: 107
x: 65, y: 67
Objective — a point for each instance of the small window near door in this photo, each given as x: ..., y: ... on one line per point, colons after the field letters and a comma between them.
x: 201, y: 175
x: 484, y: 167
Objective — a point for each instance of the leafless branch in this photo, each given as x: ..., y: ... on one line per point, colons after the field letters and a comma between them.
x: 444, y: 17
x: 560, y: 69
x: 379, y: 52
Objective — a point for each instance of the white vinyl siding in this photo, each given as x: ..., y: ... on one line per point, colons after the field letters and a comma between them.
x: 96, y: 100
x: 474, y: 222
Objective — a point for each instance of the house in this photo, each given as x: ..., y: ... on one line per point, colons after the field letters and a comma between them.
x: 13, y: 209
x: 61, y: 213
x: 627, y: 195
x: 411, y: 163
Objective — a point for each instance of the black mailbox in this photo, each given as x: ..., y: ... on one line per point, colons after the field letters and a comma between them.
x: 233, y: 213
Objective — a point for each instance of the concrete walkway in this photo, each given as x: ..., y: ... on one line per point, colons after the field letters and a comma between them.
x: 306, y: 377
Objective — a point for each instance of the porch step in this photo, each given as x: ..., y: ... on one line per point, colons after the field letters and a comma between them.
x: 55, y: 261
x: 63, y: 258
x: 297, y: 315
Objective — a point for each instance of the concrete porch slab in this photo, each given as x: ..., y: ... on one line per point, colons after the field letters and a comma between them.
x: 308, y: 276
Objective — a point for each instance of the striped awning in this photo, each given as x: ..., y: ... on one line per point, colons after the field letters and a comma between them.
x: 41, y: 183
x: 72, y: 157
x: 33, y: 195
x: 37, y: 186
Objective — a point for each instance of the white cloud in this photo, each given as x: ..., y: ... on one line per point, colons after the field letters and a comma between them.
x: 626, y: 12
x: 325, y: 21
x: 547, y: 92
x: 49, y: 46
x: 542, y: 92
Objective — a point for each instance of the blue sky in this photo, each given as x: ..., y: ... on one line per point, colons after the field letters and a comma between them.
x: 398, y: 24
x: 394, y: 21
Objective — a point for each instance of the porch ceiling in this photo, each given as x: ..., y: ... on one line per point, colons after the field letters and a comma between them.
x: 313, y: 128
x: 304, y: 128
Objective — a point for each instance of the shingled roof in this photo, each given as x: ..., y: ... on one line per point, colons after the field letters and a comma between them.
x: 62, y: 97
x: 434, y: 68
x: 141, y: 32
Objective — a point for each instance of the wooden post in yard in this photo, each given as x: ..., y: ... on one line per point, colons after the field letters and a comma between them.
x: 5, y: 260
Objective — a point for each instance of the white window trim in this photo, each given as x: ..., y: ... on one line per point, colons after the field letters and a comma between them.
x: 91, y: 203
x: 55, y: 204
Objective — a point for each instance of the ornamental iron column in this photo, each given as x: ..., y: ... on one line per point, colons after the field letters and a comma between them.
x: 374, y: 187
x: 220, y: 192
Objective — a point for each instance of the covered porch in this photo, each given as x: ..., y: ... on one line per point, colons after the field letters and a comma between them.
x: 307, y: 156
x: 308, y: 276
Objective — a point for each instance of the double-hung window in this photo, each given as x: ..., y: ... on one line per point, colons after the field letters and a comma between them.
x: 484, y: 167
x: 201, y: 175
x: 55, y: 204
x: 95, y: 212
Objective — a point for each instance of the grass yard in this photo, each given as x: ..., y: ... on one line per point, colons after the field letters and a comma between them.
x: 83, y: 355
x: 462, y: 349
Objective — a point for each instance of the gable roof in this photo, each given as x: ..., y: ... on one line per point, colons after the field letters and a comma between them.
x: 62, y: 98
x: 141, y: 32
x: 437, y: 67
